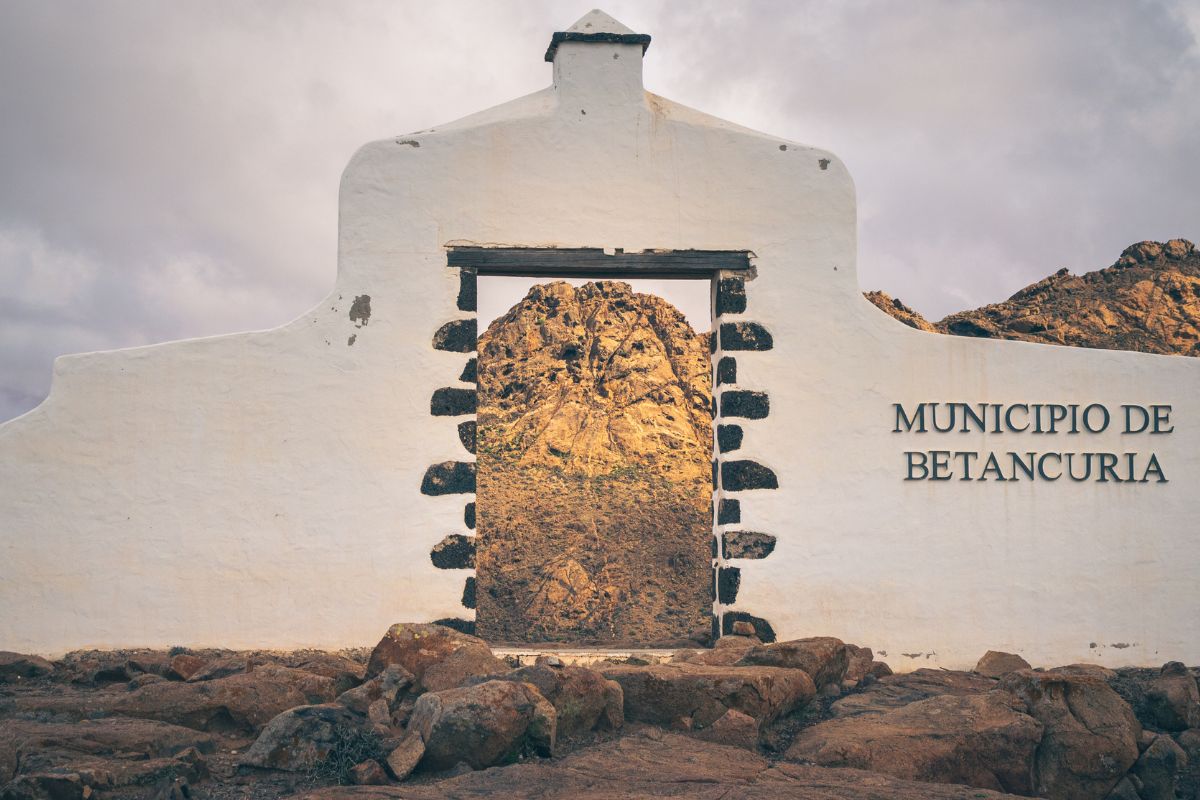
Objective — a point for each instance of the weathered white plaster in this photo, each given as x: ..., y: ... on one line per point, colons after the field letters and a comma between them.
x: 261, y: 489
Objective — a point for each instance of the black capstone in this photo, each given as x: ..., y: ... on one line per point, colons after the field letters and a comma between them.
x: 470, y: 372
x: 464, y: 625
x: 762, y: 628
x: 466, y: 435
x: 747, y: 544
x: 726, y: 370
x: 744, y: 403
x: 739, y: 476
x: 731, y: 296
x: 729, y: 512
x: 729, y: 437
x: 466, y: 289
x: 456, y: 337
x: 728, y: 581
x: 468, y: 598
x: 456, y: 551
x: 469, y: 516
x: 452, y: 402
x: 745, y: 336
x: 449, y: 477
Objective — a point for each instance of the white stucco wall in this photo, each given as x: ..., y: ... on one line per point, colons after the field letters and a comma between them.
x: 262, y: 489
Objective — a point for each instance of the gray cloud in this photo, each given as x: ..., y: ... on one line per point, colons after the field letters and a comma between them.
x: 171, y: 169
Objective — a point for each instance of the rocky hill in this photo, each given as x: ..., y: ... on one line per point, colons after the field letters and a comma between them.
x: 594, y: 483
x: 1149, y: 301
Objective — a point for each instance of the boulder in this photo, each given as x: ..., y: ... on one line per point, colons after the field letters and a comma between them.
x: 743, y: 628
x: 983, y: 740
x: 15, y: 667
x: 301, y: 738
x: 894, y: 691
x: 694, y: 696
x: 483, y: 725
x: 224, y: 667
x: 385, y: 686
x: 405, y: 756
x: 246, y: 701
x: 859, y: 662
x: 344, y: 672
x: 996, y: 664
x: 368, y: 773
x: 184, y: 666
x: 437, y: 657
x: 725, y: 653
x: 1172, y: 700
x: 583, y: 699
x: 1090, y: 670
x: 1090, y: 738
x: 1158, y: 768
x: 732, y: 728
x: 824, y: 658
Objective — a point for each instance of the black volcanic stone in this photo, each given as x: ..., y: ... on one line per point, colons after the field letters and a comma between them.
x: 726, y: 370
x: 762, y: 628
x: 731, y: 296
x: 738, y: 476
x: 449, y: 477
x: 744, y: 403
x: 456, y: 551
x: 466, y: 289
x: 728, y: 581
x: 470, y: 372
x: 466, y: 435
x: 451, y: 402
x: 729, y: 512
x: 729, y: 437
x: 469, y: 516
x: 458, y: 336
x: 468, y: 598
x: 466, y: 625
x: 745, y: 336
x: 747, y: 544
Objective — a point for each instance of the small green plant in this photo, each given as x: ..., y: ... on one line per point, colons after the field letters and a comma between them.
x: 351, y: 746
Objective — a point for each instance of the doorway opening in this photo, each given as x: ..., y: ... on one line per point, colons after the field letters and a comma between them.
x: 594, y: 448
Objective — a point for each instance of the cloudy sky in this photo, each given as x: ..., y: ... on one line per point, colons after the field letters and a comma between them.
x: 170, y: 169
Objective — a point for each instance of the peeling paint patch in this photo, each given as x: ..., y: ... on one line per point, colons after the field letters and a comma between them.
x: 1120, y: 645
x: 350, y: 341
x: 912, y: 655
x: 409, y: 142
x: 360, y: 310
x: 783, y: 147
x: 823, y: 163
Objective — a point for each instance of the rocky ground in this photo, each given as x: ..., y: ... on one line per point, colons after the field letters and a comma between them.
x: 432, y: 713
x: 1149, y: 300
x: 594, y: 484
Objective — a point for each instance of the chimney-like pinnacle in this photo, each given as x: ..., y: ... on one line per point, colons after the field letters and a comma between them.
x: 596, y: 27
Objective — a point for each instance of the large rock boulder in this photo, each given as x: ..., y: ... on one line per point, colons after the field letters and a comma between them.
x: 386, y: 686
x: 484, y: 725
x: 301, y: 738
x: 728, y: 651
x: 996, y: 664
x: 1091, y: 734
x: 1172, y: 700
x: 978, y: 740
x: 437, y: 657
x: 1158, y: 769
x: 16, y: 667
x: 895, y: 691
x: 862, y: 665
x: 694, y: 696
x: 583, y: 699
x: 824, y: 658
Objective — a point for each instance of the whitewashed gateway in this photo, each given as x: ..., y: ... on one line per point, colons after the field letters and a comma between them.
x: 926, y: 495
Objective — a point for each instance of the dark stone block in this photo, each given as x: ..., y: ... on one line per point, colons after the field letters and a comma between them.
x: 466, y: 434
x: 470, y: 372
x: 456, y: 551
x: 731, y: 296
x: 728, y: 581
x: 745, y: 336
x: 464, y: 625
x: 745, y: 404
x: 747, y: 544
x: 714, y: 547
x: 458, y: 336
x: 729, y: 512
x: 451, y: 402
x: 739, y: 476
x: 712, y: 585
x: 762, y: 628
x: 468, y: 598
x: 714, y: 473
x: 729, y: 437
x: 467, y: 291
x: 449, y: 477
x: 712, y: 341
x: 726, y: 370
x: 716, y: 627
x: 469, y: 516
